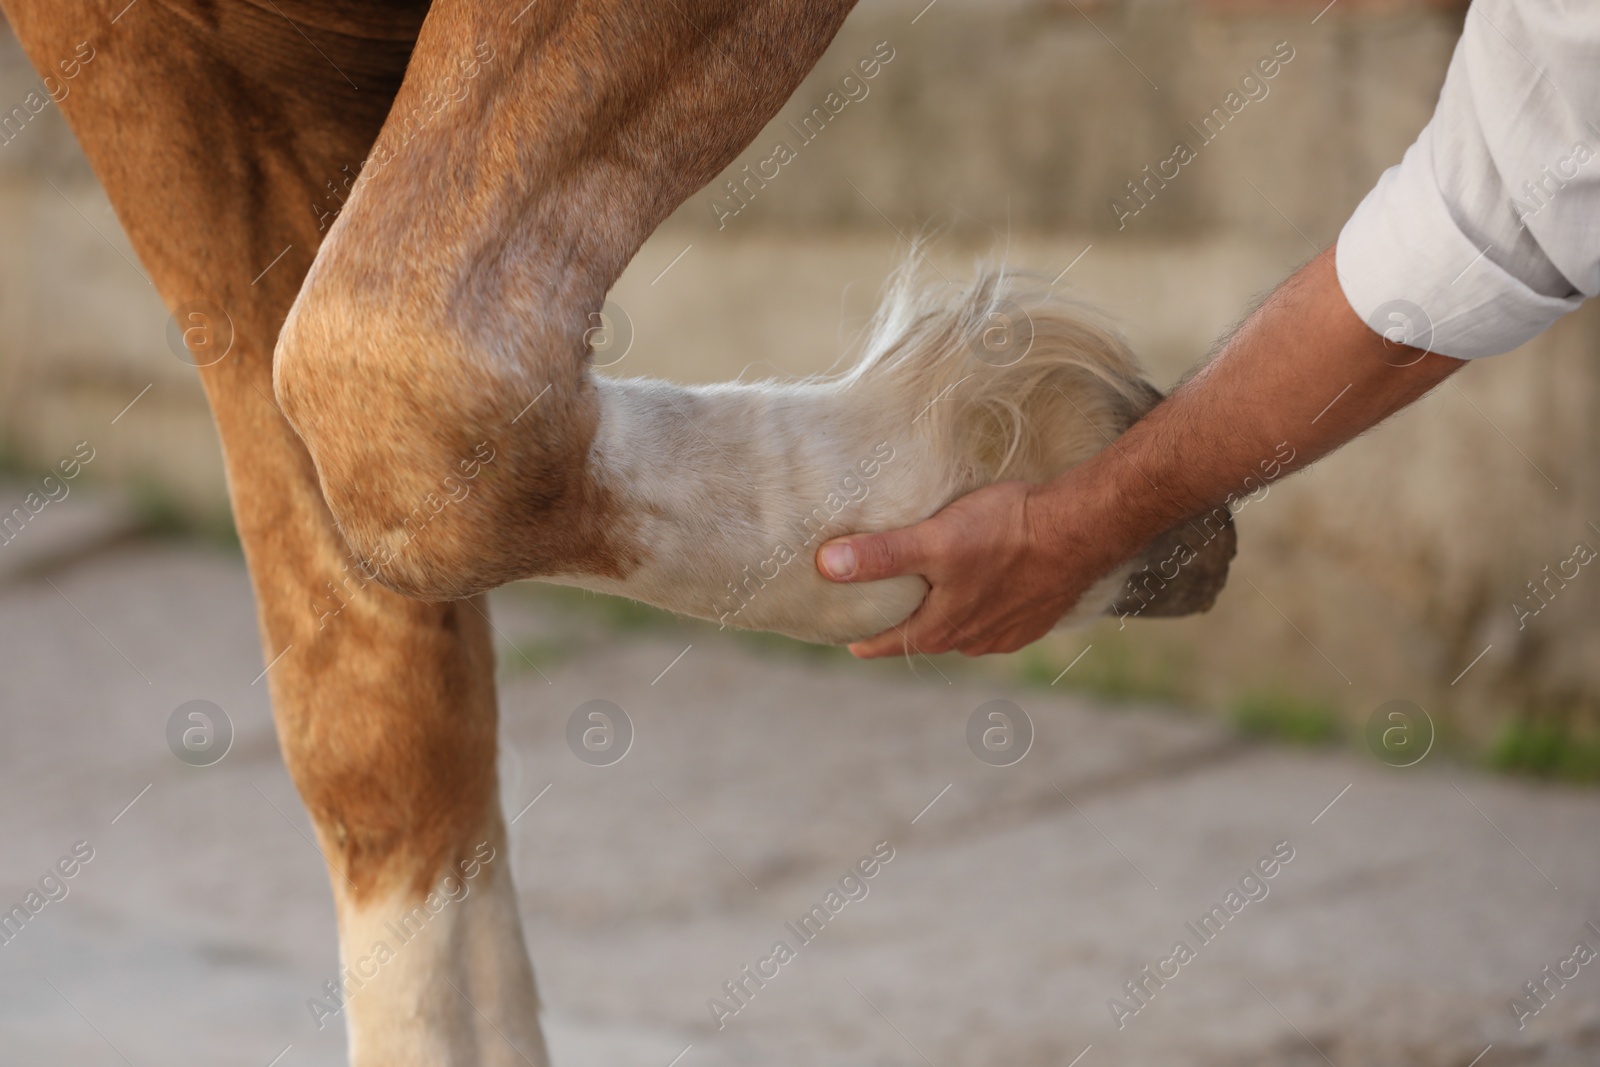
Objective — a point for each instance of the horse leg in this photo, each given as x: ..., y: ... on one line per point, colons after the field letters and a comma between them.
x: 214, y: 138
x: 434, y: 362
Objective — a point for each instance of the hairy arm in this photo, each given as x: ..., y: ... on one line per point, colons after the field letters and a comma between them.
x: 1006, y: 562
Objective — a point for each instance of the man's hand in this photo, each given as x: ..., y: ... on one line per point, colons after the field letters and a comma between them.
x: 999, y: 579
x: 1007, y: 561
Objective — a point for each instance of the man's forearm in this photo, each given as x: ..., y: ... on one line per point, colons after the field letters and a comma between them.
x: 1302, y: 370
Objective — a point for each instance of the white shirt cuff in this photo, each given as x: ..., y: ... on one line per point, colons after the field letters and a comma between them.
x: 1411, y: 274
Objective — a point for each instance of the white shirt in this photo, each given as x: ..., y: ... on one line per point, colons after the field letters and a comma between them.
x: 1489, y: 229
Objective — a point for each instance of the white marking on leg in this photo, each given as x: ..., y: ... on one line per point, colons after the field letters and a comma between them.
x: 396, y: 950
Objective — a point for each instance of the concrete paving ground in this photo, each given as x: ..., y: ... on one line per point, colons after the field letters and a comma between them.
x: 1018, y: 902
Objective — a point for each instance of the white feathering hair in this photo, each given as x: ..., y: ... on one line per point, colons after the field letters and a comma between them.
x: 1074, y: 386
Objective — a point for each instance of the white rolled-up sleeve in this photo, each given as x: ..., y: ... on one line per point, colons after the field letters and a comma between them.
x: 1488, y: 230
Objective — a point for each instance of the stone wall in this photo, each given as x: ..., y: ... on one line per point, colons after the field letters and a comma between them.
x: 1014, y: 129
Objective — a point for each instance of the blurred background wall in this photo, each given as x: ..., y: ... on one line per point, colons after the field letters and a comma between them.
x: 1013, y: 128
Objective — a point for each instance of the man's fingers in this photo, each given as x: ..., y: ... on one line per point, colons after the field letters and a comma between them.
x: 908, y: 638
x: 889, y: 643
x: 870, y: 557
x: 925, y: 632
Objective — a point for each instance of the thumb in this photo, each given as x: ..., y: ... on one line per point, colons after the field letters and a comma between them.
x: 869, y: 557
